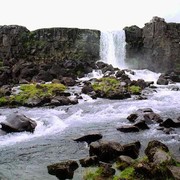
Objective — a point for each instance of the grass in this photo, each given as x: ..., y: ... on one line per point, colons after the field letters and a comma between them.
x: 92, y: 174
x: 106, y: 84
x: 33, y: 91
x: 3, y: 101
x: 127, y: 174
x: 134, y: 89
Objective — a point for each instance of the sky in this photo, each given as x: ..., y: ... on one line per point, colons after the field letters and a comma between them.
x: 89, y: 14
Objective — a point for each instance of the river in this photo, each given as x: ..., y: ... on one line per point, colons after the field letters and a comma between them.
x: 25, y: 156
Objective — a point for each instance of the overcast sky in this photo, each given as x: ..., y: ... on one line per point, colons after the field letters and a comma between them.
x: 92, y: 14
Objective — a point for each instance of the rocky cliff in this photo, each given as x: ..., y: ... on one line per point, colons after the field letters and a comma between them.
x: 156, y: 46
x: 45, y: 54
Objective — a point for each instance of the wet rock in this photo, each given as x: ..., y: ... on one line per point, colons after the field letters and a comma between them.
x: 144, y: 169
x: 63, y: 170
x: 107, y: 170
x: 109, y: 151
x: 89, y: 138
x: 124, y: 161
x: 152, y: 117
x: 132, y: 149
x: 2, y: 133
x: 153, y: 147
x: 90, y: 161
x: 141, y: 125
x: 145, y: 114
x: 68, y: 81
x: 168, y: 130
x: 106, y: 151
x: 34, y: 102
x: 174, y: 172
x: 87, y: 88
x: 16, y: 122
x: 162, y: 81
x: 128, y: 128
x: 132, y: 117
x: 119, y: 73
x: 170, y: 123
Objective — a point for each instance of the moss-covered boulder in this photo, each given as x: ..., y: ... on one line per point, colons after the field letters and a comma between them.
x: 111, y: 88
x: 162, y: 165
x: 37, y: 95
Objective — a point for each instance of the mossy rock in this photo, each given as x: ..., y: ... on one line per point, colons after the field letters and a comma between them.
x: 135, y: 89
x: 110, y: 87
x: 127, y: 174
x: 32, y: 91
x: 92, y: 174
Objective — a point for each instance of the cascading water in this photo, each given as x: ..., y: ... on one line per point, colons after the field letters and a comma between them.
x: 112, y: 48
x: 26, y: 155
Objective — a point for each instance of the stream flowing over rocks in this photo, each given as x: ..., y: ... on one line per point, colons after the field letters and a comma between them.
x: 62, y: 109
x: 64, y: 132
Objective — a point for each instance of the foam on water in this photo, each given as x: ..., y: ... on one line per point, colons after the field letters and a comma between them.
x: 48, y: 123
x: 145, y: 74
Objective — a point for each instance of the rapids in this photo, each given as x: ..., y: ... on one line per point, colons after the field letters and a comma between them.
x: 25, y: 156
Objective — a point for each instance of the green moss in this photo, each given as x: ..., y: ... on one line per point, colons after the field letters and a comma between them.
x: 41, y: 90
x: 92, y: 174
x: 134, y: 89
x: 121, y: 165
x: 106, y: 84
x: 175, y: 162
x: 3, y: 101
x: 37, y: 90
x: 127, y: 174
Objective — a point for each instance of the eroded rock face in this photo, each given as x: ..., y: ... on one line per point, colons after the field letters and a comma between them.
x: 46, y: 54
x: 156, y: 46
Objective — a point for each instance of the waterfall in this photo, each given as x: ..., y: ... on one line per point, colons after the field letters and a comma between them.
x: 112, y: 48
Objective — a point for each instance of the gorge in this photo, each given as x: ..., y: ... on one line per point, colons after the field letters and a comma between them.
x: 47, y: 54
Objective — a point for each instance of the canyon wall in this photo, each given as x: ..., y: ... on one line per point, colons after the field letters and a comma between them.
x: 46, y: 53
x: 156, y: 46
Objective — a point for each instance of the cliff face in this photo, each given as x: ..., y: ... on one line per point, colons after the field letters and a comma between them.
x: 156, y: 46
x: 45, y: 49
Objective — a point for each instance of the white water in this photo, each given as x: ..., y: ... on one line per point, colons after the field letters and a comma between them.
x: 112, y: 48
x: 27, y: 155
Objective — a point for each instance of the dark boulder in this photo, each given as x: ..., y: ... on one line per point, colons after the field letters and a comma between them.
x: 153, y: 147
x: 16, y: 122
x: 141, y: 125
x: 132, y: 117
x: 90, y: 161
x: 124, y: 162
x: 106, y: 170
x: 128, y: 128
x: 89, y: 138
x: 132, y: 149
x: 170, y: 123
x: 106, y: 151
x: 63, y: 170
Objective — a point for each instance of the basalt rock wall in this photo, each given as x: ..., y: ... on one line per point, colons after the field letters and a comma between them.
x: 156, y: 46
x: 51, y: 52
